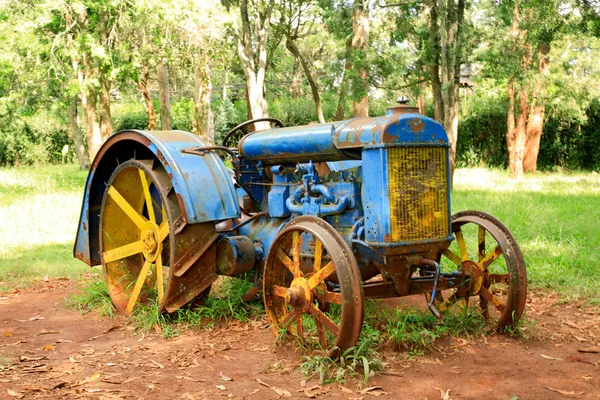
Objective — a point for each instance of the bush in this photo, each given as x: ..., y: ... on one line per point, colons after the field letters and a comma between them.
x: 31, y: 140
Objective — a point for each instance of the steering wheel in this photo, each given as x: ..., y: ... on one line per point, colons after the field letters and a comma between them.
x: 228, y: 140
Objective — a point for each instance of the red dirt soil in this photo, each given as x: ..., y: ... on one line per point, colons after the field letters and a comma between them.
x: 48, y: 351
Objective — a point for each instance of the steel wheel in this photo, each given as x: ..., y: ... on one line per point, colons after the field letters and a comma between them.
x: 145, y: 243
x: 308, y: 268
x: 493, y: 265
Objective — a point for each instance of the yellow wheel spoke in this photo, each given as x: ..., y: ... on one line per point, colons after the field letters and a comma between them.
x: 481, y: 242
x: 318, y: 254
x: 299, y: 327
x: 491, y: 257
x: 321, y: 275
x: 452, y: 257
x: 486, y: 294
x: 443, y: 307
x: 296, y: 253
x: 138, y: 286
x: 159, y: 279
x: 324, y: 319
x: 321, y: 333
x: 126, y: 207
x: 332, y: 297
x: 146, y: 190
x: 499, y: 278
x: 279, y: 291
x: 288, y: 319
x: 462, y: 245
x: 163, y: 230
x: 286, y: 261
x: 123, y: 251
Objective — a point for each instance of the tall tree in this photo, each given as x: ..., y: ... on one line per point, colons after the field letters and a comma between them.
x: 358, y: 48
x: 251, y: 40
x: 446, y: 27
x: 164, y: 96
x: 298, y: 20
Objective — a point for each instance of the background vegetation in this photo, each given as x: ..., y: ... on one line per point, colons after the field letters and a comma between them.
x: 74, y: 71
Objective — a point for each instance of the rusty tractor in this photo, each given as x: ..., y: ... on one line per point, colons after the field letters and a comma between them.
x: 321, y: 217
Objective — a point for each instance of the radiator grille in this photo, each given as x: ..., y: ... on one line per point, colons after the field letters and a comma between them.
x: 418, y: 193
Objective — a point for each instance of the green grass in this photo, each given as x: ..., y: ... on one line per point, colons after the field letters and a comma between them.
x: 553, y: 217
x: 39, y: 212
x: 93, y: 297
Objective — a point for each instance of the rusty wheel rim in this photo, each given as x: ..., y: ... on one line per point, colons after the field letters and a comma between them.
x: 309, y: 269
x: 493, y: 265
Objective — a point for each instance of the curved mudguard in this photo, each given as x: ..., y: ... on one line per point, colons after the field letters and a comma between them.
x: 203, y: 184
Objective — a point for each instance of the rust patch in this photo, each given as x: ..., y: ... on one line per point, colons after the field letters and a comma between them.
x: 84, y: 226
x: 417, y: 125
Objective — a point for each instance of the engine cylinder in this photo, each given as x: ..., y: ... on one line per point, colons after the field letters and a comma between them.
x: 235, y: 255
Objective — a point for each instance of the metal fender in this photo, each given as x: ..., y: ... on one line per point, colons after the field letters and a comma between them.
x: 203, y: 184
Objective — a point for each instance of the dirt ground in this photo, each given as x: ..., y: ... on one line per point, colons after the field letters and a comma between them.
x: 48, y: 351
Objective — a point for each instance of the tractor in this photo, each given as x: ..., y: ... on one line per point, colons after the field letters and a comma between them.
x: 319, y: 217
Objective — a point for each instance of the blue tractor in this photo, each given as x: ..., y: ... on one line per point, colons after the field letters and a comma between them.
x: 321, y: 217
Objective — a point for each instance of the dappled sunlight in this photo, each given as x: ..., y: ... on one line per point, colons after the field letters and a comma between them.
x: 39, y: 219
x: 500, y: 181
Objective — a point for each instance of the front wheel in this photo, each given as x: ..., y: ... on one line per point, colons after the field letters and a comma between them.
x: 492, y: 265
x: 312, y: 286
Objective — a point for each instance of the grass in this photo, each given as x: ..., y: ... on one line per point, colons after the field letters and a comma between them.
x: 39, y: 212
x: 93, y: 297
x: 553, y: 217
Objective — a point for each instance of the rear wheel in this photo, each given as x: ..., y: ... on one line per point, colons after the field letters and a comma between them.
x: 144, y: 241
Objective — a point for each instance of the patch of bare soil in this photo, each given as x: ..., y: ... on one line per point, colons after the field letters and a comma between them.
x: 47, y: 351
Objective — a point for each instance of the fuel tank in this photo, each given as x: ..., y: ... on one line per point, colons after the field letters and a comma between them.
x: 342, y: 140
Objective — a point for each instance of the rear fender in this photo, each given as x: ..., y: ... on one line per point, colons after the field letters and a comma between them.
x: 203, y: 184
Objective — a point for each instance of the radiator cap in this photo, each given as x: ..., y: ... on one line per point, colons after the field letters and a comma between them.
x: 402, y: 107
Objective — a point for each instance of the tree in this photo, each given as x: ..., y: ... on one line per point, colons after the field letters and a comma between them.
x: 251, y: 40
x: 359, y: 44
x: 446, y: 25
x: 296, y: 23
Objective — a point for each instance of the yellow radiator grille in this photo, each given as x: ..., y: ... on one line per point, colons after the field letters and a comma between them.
x: 418, y: 193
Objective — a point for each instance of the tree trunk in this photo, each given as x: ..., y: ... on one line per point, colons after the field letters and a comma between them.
x: 511, y: 138
x: 535, y: 123
x: 252, y: 51
x: 451, y: 108
x: 144, y: 86
x: 521, y: 131
x: 314, y: 87
x: 164, y: 97
x: 434, y: 62
x: 360, y: 43
x: 295, y: 78
x: 88, y: 101
x: 76, y: 135
x: 225, y: 83
x: 339, y: 112
x: 203, y: 122
x: 106, y: 128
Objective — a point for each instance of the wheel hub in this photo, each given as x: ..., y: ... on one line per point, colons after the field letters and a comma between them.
x: 150, y: 240
x: 475, y: 275
x: 299, y: 294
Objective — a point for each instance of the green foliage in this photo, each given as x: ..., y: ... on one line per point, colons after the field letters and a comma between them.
x: 223, y: 304
x: 417, y: 330
x: 31, y: 140
x: 358, y: 363
x: 568, y: 141
x: 130, y: 115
